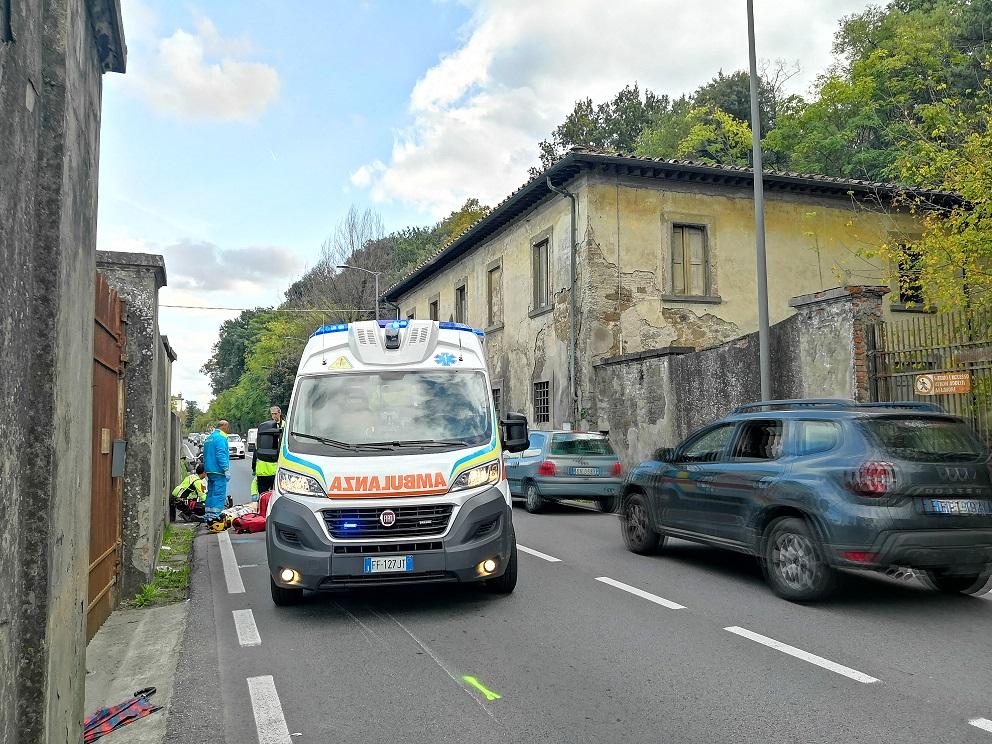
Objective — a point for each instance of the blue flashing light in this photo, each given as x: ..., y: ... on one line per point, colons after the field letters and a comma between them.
x: 394, y: 324
x: 447, y: 325
x: 350, y: 525
x: 336, y: 328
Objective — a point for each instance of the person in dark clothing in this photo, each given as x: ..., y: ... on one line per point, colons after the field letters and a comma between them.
x: 265, y: 458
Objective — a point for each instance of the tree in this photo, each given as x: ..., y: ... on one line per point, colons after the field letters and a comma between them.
x: 193, y: 412
x: 227, y: 360
x: 716, y: 137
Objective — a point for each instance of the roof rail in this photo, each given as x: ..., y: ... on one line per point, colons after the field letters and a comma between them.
x: 910, y: 404
x: 777, y: 405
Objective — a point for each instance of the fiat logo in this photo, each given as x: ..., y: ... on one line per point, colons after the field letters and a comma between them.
x: 387, y: 518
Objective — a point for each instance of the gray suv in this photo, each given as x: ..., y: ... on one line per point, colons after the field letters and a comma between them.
x: 811, y: 486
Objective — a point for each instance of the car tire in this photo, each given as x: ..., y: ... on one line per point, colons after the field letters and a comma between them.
x: 793, y: 562
x: 283, y: 597
x: 948, y: 583
x: 607, y: 505
x: 533, y: 502
x: 506, y: 583
x: 635, y: 524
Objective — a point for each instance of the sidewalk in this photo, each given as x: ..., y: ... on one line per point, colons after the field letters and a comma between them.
x: 139, y: 647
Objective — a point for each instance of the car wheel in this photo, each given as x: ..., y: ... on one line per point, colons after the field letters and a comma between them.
x: 635, y: 523
x: 957, y: 583
x: 532, y: 499
x: 607, y: 505
x: 793, y: 562
x: 506, y: 583
x: 283, y: 597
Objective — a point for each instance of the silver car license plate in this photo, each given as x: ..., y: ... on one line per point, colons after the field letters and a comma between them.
x: 585, y: 471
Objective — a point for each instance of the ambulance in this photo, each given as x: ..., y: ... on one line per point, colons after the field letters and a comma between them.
x: 391, y: 464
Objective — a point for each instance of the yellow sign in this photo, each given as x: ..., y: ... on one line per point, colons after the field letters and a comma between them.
x: 943, y: 383
x: 340, y: 363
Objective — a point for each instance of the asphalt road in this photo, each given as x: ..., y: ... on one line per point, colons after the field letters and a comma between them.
x: 690, y: 651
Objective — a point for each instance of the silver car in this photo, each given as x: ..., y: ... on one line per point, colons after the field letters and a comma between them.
x: 565, y: 465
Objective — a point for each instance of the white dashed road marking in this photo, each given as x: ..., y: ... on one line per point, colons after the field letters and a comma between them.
x: 983, y: 723
x: 641, y: 593
x: 244, y: 623
x: 269, y: 720
x: 231, y: 574
x: 804, y: 655
x: 539, y: 554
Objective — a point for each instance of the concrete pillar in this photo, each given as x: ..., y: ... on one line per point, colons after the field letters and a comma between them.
x: 834, y: 327
x: 137, y: 278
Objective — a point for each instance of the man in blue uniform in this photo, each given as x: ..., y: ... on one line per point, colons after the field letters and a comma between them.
x: 217, y: 463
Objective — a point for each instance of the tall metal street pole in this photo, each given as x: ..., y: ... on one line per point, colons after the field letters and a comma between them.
x: 764, y: 362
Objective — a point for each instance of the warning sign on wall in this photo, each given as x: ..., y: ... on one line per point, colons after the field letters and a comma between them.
x: 943, y: 383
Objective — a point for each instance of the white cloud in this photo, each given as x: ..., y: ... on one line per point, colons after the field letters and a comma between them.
x: 198, y: 74
x: 478, y: 114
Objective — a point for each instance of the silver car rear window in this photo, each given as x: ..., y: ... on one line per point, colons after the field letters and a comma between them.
x: 580, y: 444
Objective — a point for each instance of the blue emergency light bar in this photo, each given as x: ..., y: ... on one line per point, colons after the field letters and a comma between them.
x: 397, y: 324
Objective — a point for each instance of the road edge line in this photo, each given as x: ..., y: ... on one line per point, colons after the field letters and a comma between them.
x: 231, y: 573
x: 270, y: 723
x: 247, y: 630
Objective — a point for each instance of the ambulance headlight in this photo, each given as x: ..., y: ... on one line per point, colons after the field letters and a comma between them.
x: 296, y: 483
x: 481, y: 475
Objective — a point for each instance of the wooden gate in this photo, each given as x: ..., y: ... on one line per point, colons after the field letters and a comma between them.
x: 108, y: 419
x: 944, y: 359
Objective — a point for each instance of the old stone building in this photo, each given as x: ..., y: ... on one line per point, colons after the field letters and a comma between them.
x: 664, y: 258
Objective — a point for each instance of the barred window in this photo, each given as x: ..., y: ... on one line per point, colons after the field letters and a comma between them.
x: 497, y: 403
x: 461, y: 304
x: 542, y: 402
x: 433, y: 309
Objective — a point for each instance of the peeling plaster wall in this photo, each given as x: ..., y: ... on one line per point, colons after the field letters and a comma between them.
x: 656, y: 401
x: 528, y: 347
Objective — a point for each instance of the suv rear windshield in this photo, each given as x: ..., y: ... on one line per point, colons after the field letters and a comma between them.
x: 924, y: 439
x: 580, y: 444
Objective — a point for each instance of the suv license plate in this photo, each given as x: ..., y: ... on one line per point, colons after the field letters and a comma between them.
x: 389, y: 564
x: 585, y: 471
x: 957, y: 506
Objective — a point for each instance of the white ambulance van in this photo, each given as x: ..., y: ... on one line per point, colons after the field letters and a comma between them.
x: 390, y: 468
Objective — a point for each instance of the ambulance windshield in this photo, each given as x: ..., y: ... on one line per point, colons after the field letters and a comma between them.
x: 401, y: 412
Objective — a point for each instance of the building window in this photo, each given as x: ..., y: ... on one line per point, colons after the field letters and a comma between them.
x: 434, y: 308
x: 411, y: 314
x: 541, y: 270
x: 910, y: 286
x: 497, y: 401
x: 494, y: 292
x: 690, y: 261
x: 542, y: 402
x: 461, y: 304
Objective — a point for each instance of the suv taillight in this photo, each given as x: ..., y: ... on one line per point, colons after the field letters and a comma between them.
x: 547, y: 468
x: 874, y: 479
x: 617, y: 470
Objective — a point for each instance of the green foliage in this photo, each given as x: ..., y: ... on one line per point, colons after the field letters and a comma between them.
x: 193, y: 412
x: 227, y: 361
x: 716, y: 137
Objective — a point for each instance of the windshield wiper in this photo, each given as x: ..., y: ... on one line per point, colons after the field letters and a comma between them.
x: 420, y: 443
x: 323, y: 440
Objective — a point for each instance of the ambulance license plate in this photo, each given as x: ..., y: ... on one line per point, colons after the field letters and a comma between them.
x: 389, y: 564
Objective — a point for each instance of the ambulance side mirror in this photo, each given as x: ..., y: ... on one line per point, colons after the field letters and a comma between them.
x: 514, y: 432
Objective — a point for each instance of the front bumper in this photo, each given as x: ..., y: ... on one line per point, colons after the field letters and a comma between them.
x: 295, y: 539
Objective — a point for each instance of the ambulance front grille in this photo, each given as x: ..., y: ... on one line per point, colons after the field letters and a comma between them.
x: 410, y: 521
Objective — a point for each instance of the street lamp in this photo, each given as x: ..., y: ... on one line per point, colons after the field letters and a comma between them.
x: 374, y: 274
x: 764, y: 365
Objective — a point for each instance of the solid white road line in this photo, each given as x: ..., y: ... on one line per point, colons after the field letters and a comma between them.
x: 231, y: 574
x: 244, y: 623
x: 539, y: 554
x: 641, y: 593
x: 269, y: 720
x: 804, y: 655
x: 983, y: 723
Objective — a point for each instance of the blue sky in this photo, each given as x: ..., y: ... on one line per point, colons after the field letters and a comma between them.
x: 243, y: 131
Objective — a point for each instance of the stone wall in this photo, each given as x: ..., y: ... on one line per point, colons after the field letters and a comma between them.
x: 137, y: 278
x: 52, y: 55
x: 655, y: 399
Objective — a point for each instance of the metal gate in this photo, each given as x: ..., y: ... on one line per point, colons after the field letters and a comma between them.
x: 108, y: 418
x: 944, y: 359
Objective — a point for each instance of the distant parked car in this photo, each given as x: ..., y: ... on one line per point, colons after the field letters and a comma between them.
x: 565, y: 465
x: 252, y: 439
x: 236, y: 445
x: 813, y: 486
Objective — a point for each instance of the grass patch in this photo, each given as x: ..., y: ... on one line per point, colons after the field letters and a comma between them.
x: 171, y: 581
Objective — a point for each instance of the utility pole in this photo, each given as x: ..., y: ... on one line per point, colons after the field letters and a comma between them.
x: 764, y: 362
